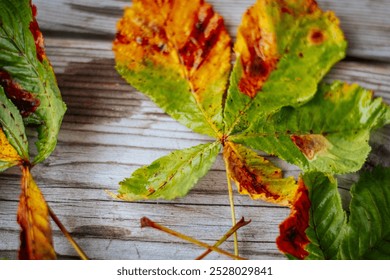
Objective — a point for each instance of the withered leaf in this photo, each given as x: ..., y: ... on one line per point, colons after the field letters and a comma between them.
x: 256, y: 176
x: 33, y: 217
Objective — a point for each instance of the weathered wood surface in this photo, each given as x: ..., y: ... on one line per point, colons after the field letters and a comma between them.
x: 110, y: 130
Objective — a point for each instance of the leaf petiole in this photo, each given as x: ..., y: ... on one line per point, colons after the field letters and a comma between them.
x: 231, y: 231
x: 146, y: 222
x: 74, y: 244
x: 231, y: 201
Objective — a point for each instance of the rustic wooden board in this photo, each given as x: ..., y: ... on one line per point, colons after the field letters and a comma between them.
x: 366, y: 22
x: 110, y: 130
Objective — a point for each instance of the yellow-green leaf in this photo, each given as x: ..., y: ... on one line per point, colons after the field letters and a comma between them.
x: 177, y: 53
x: 284, y: 49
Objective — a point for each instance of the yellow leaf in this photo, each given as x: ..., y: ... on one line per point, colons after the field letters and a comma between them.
x: 8, y: 155
x: 33, y: 217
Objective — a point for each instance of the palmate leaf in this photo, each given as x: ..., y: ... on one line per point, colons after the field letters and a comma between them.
x: 178, y: 54
x: 329, y: 233
x: 330, y: 133
x: 26, y: 74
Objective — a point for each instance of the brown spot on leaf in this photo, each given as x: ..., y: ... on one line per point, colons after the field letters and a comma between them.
x: 25, y: 101
x: 316, y: 36
x: 204, y: 35
x: 286, y: 10
x: 257, y: 48
x: 248, y: 179
x: 38, y: 38
x: 310, y: 145
x: 256, y: 72
x: 121, y: 38
x: 293, y: 239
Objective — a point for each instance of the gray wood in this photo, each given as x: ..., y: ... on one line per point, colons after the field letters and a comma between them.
x: 110, y: 130
x: 366, y: 22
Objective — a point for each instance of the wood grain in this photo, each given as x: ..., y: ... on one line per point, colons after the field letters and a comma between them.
x: 366, y: 22
x: 110, y: 130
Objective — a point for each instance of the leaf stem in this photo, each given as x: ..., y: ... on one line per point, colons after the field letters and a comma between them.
x: 232, y: 210
x: 146, y: 222
x: 78, y: 249
x: 231, y: 231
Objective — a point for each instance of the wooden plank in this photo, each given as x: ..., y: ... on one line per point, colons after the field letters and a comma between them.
x: 81, y: 64
x: 365, y: 22
x: 110, y: 130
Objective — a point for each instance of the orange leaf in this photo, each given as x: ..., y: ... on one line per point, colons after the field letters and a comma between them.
x: 33, y: 217
x: 256, y: 176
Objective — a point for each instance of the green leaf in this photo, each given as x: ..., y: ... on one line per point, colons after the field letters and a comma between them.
x: 179, y: 56
x: 327, y: 218
x: 283, y: 49
x: 367, y: 235
x: 12, y: 125
x: 330, y: 133
x: 329, y: 233
x: 26, y: 71
x: 171, y: 176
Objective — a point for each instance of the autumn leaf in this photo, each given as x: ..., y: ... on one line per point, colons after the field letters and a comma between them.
x: 323, y: 230
x: 171, y: 176
x: 12, y: 123
x: 27, y: 76
x: 8, y: 155
x: 257, y: 177
x: 28, y: 95
x: 329, y: 133
x: 178, y: 54
x: 33, y: 217
x: 283, y: 50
